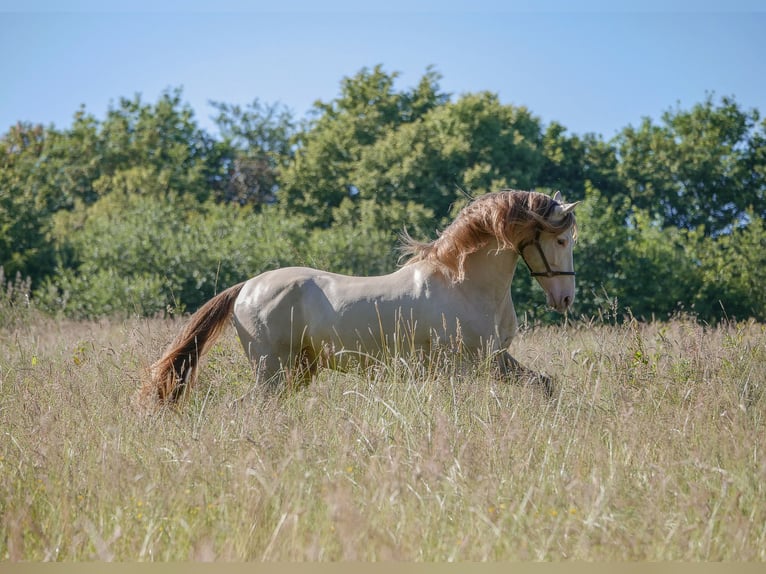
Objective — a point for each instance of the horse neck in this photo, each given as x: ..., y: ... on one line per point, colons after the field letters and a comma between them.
x: 491, y: 270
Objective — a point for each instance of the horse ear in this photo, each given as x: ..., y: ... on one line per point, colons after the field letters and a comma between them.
x: 569, y: 207
x: 557, y: 197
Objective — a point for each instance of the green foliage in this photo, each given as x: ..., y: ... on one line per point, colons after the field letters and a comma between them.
x: 133, y: 253
x: 130, y: 253
x: 153, y: 150
x: 331, y: 146
x: 26, y: 200
x: 656, y: 272
x: 732, y: 274
x: 475, y: 144
x: 363, y: 240
x: 602, y: 239
x: 565, y: 161
x: 259, y: 141
x: 143, y: 211
x: 157, y: 150
x: 697, y: 168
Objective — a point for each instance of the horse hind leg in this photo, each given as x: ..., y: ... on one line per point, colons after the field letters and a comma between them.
x: 304, y: 368
x: 274, y: 369
x: 266, y: 375
x: 267, y: 370
x: 308, y: 362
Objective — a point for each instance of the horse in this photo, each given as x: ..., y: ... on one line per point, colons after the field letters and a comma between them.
x: 293, y: 321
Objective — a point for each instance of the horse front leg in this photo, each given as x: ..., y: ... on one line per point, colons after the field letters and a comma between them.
x: 511, y: 369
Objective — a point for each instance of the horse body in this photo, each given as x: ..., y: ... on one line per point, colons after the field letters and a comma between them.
x: 452, y: 291
x: 322, y: 317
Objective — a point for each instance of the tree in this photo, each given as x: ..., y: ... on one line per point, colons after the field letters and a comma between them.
x: 732, y: 273
x: 602, y: 239
x: 365, y: 236
x: 259, y: 137
x: 143, y: 209
x: 139, y: 148
x: 564, y: 162
x: 158, y: 150
x: 329, y: 147
x: 26, y: 201
x: 698, y: 168
x: 472, y: 146
x: 135, y: 253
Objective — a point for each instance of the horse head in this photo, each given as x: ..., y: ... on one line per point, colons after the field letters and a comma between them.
x: 548, y: 253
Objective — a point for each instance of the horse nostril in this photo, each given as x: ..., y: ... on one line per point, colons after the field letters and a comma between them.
x: 567, y: 301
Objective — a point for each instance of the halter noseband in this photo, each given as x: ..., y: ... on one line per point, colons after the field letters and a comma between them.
x: 548, y: 271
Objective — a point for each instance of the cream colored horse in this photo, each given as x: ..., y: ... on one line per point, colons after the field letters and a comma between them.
x: 456, y: 288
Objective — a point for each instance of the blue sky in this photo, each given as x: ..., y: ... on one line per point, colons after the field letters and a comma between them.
x: 593, y: 66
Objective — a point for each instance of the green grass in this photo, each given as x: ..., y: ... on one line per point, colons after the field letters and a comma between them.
x: 653, y: 450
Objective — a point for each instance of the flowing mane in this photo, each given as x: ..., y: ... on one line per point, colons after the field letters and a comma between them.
x: 509, y: 216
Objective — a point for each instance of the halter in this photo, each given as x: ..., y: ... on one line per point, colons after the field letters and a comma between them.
x: 548, y: 271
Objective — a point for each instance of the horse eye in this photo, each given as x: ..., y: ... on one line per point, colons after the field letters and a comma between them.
x: 561, y: 242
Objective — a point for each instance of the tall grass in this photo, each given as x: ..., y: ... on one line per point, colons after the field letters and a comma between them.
x: 14, y: 300
x: 654, y: 449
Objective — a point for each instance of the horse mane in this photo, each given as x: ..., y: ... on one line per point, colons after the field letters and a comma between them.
x: 510, y: 216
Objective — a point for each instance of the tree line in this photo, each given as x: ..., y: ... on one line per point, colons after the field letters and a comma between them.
x: 143, y: 211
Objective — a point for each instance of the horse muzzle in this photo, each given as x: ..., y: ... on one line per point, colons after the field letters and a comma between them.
x: 560, y: 302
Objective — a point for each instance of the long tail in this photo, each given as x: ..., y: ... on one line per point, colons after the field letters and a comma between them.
x: 176, y: 371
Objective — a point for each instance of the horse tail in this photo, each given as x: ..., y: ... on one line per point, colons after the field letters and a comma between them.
x: 176, y: 370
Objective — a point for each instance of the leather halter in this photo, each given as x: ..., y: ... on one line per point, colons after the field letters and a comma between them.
x: 548, y: 271
x: 536, y: 242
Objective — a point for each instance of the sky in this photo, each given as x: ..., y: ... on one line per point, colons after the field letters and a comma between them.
x: 592, y: 65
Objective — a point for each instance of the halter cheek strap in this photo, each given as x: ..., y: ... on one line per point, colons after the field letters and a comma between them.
x: 548, y: 271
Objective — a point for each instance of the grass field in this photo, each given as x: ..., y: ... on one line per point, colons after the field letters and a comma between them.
x: 654, y: 449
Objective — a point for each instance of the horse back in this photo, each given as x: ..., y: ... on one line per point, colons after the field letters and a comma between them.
x: 318, y: 305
